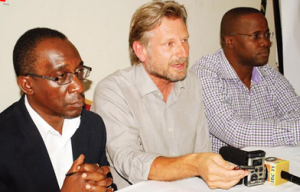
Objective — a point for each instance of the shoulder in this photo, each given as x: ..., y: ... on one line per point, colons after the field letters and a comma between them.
x: 115, y: 81
x: 208, y: 63
x: 9, y: 115
x: 270, y: 72
x: 91, y: 118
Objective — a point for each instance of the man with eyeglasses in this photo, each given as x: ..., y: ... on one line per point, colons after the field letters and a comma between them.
x: 48, y: 142
x: 247, y: 102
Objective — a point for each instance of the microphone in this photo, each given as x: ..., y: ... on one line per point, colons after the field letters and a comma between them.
x: 277, y: 171
x: 290, y: 177
x: 274, y: 167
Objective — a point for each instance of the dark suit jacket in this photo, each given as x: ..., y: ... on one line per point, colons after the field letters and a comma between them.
x: 25, y: 165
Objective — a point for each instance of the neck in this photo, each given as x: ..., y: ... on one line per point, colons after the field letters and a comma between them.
x: 56, y: 122
x: 244, y: 71
x: 163, y: 85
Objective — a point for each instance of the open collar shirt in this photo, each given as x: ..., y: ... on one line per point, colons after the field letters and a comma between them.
x: 266, y: 115
x: 58, y: 145
x: 141, y: 126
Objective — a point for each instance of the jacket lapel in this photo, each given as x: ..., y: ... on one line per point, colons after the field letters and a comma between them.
x: 32, y: 151
x: 80, y: 140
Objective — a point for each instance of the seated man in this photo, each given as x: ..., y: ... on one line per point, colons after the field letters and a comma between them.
x: 42, y: 133
x: 153, y: 111
x: 247, y: 102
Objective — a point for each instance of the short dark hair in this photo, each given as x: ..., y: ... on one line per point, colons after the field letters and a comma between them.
x: 231, y: 19
x: 24, y: 56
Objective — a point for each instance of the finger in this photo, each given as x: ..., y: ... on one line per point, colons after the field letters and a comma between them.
x: 93, y: 176
x: 86, y: 167
x: 90, y: 187
x: 76, y: 164
x: 105, y: 169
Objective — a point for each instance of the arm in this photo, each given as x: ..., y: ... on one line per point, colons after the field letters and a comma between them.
x: 123, y: 137
x: 213, y: 169
x: 227, y: 123
x: 130, y: 159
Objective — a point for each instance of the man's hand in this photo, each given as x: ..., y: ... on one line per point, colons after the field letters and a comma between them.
x: 218, y: 173
x: 87, y: 177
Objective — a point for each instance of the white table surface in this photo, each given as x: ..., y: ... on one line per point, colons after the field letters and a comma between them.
x: 290, y: 153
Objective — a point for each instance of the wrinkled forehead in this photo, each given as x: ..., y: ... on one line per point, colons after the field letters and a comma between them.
x: 56, y: 54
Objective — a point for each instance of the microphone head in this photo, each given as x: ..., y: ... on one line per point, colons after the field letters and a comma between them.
x: 274, y: 167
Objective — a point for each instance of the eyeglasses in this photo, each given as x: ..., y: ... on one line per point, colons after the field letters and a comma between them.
x: 66, y: 78
x: 258, y: 36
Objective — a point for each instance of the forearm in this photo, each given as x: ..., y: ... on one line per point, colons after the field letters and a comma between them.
x: 174, y: 168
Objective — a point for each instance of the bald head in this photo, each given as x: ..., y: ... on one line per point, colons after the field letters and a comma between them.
x: 232, y: 20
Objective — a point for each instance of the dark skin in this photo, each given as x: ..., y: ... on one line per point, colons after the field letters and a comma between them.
x: 55, y: 102
x: 243, y: 52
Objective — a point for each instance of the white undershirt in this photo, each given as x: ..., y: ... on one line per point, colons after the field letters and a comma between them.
x: 59, y: 146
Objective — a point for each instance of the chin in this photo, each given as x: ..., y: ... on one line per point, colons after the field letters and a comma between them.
x: 71, y: 115
x: 177, y: 77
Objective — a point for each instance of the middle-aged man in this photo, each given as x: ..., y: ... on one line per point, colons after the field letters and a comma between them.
x: 153, y: 111
x: 247, y: 102
x: 42, y: 133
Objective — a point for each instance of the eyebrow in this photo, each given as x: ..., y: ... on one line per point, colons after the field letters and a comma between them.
x: 62, y: 66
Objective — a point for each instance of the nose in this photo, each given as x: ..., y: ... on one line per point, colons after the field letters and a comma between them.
x: 183, y: 49
x: 76, y: 85
x: 264, y: 41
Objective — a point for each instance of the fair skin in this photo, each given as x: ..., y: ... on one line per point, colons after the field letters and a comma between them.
x: 165, y: 60
x: 242, y: 52
x: 55, y: 102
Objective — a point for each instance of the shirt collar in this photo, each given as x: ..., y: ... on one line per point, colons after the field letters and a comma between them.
x: 227, y: 71
x: 69, y: 126
x: 145, y: 85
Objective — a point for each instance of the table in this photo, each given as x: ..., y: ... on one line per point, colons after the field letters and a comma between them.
x: 290, y: 153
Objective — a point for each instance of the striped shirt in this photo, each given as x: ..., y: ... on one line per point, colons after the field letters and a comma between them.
x: 266, y: 115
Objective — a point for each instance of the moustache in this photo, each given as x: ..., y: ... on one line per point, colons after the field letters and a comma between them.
x: 180, y: 60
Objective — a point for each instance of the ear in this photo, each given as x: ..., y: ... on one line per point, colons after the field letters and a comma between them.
x: 25, y: 84
x: 229, y: 41
x: 140, y: 50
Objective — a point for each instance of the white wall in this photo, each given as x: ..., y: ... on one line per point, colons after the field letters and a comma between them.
x: 99, y: 29
x: 290, y: 17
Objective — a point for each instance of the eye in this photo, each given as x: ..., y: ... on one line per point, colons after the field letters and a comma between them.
x: 255, y: 36
x: 185, y: 40
x: 62, y: 76
x: 80, y: 70
x: 169, y: 44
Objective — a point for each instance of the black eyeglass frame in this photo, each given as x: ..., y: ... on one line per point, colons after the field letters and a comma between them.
x: 56, y: 79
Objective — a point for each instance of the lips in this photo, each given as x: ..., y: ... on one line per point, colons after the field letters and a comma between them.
x: 78, y: 103
x: 264, y: 52
x: 178, y: 66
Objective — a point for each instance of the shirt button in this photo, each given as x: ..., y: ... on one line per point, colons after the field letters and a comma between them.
x: 170, y: 129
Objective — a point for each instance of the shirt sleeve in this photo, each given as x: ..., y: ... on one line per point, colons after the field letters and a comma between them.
x: 123, y: 138
x: 226, y: 124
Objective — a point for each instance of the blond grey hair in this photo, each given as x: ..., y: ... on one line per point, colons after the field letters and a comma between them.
x: 147, y: 17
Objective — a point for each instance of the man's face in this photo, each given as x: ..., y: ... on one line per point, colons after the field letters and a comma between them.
x: 168, y: 50
x: 248, y: 50
x: 55, y: 57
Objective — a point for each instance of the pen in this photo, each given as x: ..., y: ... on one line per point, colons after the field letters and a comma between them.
x: 244, y: 167
x: 70, y: 174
